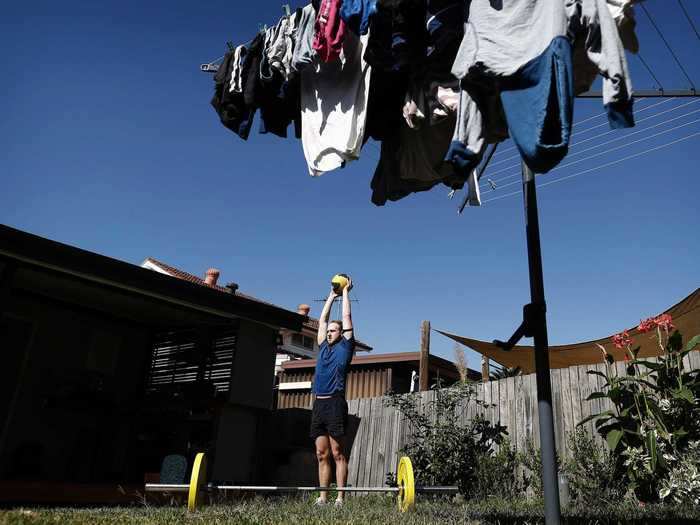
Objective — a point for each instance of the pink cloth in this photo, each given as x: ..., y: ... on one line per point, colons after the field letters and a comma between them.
x: 329, y: 31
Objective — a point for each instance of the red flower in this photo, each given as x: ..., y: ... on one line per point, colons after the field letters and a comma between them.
x: 646, y: 326
x: 664, y: 321
x: 621, y: 340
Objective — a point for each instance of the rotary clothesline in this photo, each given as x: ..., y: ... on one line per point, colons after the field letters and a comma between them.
x: 436, y: 96
x: 419, y: 171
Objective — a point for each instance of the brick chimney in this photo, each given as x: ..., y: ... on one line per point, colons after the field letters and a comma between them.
x: 303, y: 309
x: 212, y: 277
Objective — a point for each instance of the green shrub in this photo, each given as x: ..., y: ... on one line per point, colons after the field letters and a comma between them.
x: 655, y: 416
x: 532, y: 461
x: 683, y: 482
x: 500, y: 474
x: 474, y: 456
x: 592, y: 472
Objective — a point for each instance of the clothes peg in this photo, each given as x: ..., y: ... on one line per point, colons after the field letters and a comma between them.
x: 230, y: 46
x: 492, y: 184
x: 451, y: 194
x: 287, y: 9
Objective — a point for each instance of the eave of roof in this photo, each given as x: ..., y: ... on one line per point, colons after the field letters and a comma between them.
x: 399, y: 357
x: 310, y: 322
x: 27, y: 249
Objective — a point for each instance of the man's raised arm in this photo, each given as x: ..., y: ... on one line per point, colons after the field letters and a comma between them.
x: 323, y: 321
x: 347, y: 314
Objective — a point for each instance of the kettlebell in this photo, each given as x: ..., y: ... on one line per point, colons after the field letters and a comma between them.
x: 339, y: 282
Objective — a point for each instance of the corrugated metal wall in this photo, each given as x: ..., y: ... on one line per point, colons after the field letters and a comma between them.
x: 367, y: 382
x: 361, y: 383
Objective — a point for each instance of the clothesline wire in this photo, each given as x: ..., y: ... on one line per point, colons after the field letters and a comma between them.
x: 637, y: 112
x: 598, y: 115
x: 576, y: 144
x: 623, y: 146
x: 690, y: 20
x: 610, y: 142
x: 605, y: 152
x: 216, y: 60
x: 644, y: 63
x: 561, y: 179
x: 667, y: 44
x: 485, y: 189
x: 597, y: 126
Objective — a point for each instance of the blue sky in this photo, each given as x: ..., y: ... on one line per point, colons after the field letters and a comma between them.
x: 109, y: 144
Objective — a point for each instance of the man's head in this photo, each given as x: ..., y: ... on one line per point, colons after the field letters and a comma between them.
x: 334, y: 331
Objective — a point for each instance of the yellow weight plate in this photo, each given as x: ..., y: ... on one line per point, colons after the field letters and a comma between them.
x: 199, y: 475
x: 407, y: 488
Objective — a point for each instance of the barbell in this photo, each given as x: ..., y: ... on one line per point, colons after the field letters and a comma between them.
x: 406, y: 489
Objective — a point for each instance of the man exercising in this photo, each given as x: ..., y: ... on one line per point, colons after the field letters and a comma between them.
x: 329, y: 418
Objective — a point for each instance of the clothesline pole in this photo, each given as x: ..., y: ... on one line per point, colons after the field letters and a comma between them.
x: 552, y: 512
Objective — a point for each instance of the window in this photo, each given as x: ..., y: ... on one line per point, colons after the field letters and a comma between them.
x: 183, y: 357
x: 303, y: 340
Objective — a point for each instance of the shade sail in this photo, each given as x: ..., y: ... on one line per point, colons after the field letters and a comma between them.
x: 686, y: 318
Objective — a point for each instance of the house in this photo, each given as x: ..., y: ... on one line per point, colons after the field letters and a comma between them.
x: 108, y: 367
x: 369, y: 376
x: 292, y: 344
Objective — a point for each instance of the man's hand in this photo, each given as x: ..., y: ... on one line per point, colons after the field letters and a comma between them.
x: 349, y: 286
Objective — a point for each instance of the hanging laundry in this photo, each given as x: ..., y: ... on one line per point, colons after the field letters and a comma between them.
x: 522, y: 51
x: 276, y: 45
x: 585, y: 71
x: 334, y: 98
x: 412, y: 157
x: 279, y: 102
x: 251, y: 71
x: 231, y: 107
x: 329, y: 31
x: 435, y: 81
x: 622, y: 12
x: 303, y: 51
x: 412, y: 161
x: 397, y: 35
x: 473, y: 190
x: 357, y: 13
x: 444, y: 23
x: 539, y: 106
x: 384, y: 105
x: 480, y: 121
x: 236, y: 84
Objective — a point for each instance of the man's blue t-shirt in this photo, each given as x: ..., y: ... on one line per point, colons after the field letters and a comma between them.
x: 332, y: 366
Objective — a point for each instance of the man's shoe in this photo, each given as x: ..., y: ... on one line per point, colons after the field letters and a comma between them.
x: 338, y: 503
x: 320, y: 502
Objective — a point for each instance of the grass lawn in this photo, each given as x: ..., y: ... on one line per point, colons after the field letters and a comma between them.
x: 358, y: 510
x: 292, y: 510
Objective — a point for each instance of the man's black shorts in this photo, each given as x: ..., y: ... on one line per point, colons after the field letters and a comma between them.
x: 329, y: 416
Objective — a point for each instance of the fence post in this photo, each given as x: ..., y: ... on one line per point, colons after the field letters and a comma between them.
x: 424, y: 365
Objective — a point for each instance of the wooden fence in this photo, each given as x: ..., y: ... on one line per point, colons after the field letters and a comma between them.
x: 382, y: 430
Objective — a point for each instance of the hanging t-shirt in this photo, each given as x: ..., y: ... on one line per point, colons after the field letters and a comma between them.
x: 334, y: 107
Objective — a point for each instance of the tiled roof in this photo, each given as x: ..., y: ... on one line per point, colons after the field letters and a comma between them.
x: 175, y: 272
x: 184, y: 275
x: 310, y: 323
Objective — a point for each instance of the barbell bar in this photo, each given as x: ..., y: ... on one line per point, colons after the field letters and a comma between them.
x: 406, y: 489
